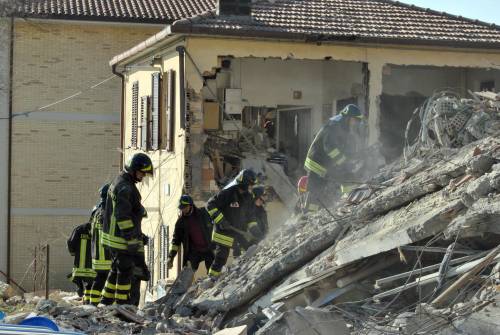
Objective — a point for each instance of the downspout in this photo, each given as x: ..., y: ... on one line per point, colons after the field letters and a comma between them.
x: 181, y: 50
x: 122, y: 114
x: 182, y: 56
x: 9, y: 166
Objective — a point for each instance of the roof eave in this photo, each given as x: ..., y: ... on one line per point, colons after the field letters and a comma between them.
x: 318, y: 38
x: 95, y: 18
x: 165, y: 36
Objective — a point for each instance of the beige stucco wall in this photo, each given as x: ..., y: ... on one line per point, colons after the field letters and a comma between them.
x: 161, y: 193
x: 320, y: 82
x: 261, y: 81
x: 63, y: 153
x: 4, y: 137
x: 205, y: 52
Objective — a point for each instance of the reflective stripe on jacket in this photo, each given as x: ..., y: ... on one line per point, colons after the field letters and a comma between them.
x: 327, y: 149
x: 101, y: 256
x: 79, y: 245
x: 123, y: 214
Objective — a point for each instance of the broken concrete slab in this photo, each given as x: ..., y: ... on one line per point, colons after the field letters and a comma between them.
x: 419, y: 220
x: 276, y: 257
x: 307, y: 321
x: 241, y: 330
x: 483, y: 217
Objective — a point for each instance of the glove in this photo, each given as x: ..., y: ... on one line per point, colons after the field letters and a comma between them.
x: 256, y: 232
x: 223, y: 224
x: 145, y: 239
x: 170, y: 263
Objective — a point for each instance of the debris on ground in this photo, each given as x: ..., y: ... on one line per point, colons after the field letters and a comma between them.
x: 415, y: 250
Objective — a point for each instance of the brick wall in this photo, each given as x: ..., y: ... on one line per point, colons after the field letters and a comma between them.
x: 61, y: 155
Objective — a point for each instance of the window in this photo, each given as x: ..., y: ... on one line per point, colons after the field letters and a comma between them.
x: 155, y: 111
x: 135, y: 110
x: 145, y: 112
x: 164, y: 247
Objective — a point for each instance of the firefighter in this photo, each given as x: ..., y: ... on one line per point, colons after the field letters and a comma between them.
x: 122, y: 232
x: 232, y: 215
x: 192, y: 231
x: 259, y: 198
x: 330, y: 153
x: 101, y: 257
x: 79, y: 246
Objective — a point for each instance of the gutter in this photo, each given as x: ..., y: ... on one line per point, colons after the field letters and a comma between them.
x: 153, y: 40
x: 122, y: 113
x: 9, y: 164
x: 186, y: 26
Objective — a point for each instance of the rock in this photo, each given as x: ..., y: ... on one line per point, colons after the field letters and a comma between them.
x: 44, y: 306
x: 7, y: 291
x: 15, y: 318
x: 15, y: 300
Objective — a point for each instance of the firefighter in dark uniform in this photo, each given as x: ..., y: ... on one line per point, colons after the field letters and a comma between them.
x: 231, y: 212
x: 259, y: 198
x: 122, y: 232
x: 192, y: 230
x: 330, y: 153
x: 101, y: 256
x: 79, y: 246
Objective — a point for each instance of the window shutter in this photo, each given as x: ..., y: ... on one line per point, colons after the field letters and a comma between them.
x: 144, y: 122
x: 151, y: 261
x: 164, y: 247
x: 155, y: 111
x: 170, y: 110
x: 135, y: 112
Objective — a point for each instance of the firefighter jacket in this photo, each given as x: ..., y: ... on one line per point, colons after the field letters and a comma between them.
x: 329, y: 150
x: 230, y: 208
x: 123, y: 213
x: 79, y: 247
x: 101, y: 256
x: 181, y: 233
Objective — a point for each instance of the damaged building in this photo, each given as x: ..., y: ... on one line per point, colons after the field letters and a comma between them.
x: 200, y: 95
x: 413, y: 249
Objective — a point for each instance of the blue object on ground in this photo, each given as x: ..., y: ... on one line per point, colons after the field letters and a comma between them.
x: 2, y: 316
x: 40, y: 321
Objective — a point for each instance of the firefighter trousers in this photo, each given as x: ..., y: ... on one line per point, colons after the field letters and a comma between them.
x: 315, y: 187
x: 196, y: 257
x: 98, y: 286
x: 119, y: 282
x: 224, y: 241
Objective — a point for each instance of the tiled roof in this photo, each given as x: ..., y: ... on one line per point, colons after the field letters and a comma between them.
x: 351, y: 20
x: 160, y: 11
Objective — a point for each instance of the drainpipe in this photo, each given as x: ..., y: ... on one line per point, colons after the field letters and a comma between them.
x: 122, y: 114
x: 182, y: 56
x: 9, y: 166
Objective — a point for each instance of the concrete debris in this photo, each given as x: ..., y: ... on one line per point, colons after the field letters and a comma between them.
x: 412, y: 251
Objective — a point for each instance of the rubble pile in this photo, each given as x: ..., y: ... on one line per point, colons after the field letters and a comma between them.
x: 415, y: 250
x: 413, y: 230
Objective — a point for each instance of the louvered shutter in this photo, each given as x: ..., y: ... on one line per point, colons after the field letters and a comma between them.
x: 135, y: 114
x: 144, y: 122
x: 170, y: 110
x: 155, y: 111
x: 151, y: 262
x: 164, y: 246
